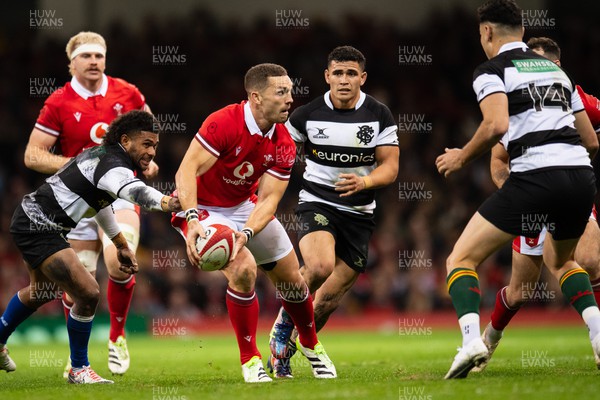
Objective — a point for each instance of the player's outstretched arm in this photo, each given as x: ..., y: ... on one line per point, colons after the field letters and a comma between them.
x: 196, y: 161
x: 494, y: 125
x: 38, y: 156
x: 499, y: 165
x: 121, y: 183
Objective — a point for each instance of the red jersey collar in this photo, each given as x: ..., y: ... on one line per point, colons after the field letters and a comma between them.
x: 252, y: 125
x: 84, y: 93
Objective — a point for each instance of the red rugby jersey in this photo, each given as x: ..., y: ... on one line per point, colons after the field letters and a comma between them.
x: 592, y: 107
x: 244, y: 155
x: 79, y: 119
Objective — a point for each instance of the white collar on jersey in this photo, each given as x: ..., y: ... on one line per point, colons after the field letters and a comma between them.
x: 83, y: 92
x: 252, y: 125
x: 512, y: 46
x: 361, y: 100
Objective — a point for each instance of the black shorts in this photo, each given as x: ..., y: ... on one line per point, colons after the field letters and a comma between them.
x: 352, y: 232
x: 36, y: 245
x: 559, y: 199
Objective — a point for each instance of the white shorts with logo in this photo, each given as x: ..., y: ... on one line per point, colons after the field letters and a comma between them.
x: 535, y: 246
x: 269, y: 245
x: 87, y: 228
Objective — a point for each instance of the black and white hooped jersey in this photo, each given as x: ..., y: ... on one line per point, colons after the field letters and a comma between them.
x: 541, y: 102
x: 85, y: 185
x: 341, y: 141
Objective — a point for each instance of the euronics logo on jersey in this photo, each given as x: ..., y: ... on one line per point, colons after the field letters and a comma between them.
x: 98, y: 131
x: 343, y: 157
x: 535, y: 65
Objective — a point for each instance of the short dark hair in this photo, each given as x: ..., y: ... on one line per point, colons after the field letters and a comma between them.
x: 257, y: 77
x: 347, y: 53
x: 130, y: 124
x: 503, y: 12
x: 550, y: 47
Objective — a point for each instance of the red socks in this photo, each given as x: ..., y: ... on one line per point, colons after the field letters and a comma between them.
x: 302, y: 314
x: 243, y: 314
x: 119, y: 298
x: 502, y: 313
x: 67, y: 305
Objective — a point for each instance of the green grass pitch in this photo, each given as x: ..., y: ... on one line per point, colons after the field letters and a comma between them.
x: 531, y: 363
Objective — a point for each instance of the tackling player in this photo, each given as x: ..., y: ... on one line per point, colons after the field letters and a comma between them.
x: 351, y: 149
x: 75, y: 117
x: 239, y: 149
x: 527, y: 252
x: 86, y: 186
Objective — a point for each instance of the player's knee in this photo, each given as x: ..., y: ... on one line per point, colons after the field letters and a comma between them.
x: 245, y: 276
x: 591, y: 264
x: 455, y: 261
x: 88, y: 295
x: 89, y: 259
x: 451, y: 263
x: 318, y: 271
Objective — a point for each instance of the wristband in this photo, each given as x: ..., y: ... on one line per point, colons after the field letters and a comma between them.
x: 164, y: 203
x: 190, y: 214
x: 368, y: 181
x: 249, y: 232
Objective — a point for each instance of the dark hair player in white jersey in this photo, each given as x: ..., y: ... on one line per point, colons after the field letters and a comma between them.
x: 527, y: 252
x: 86, y: 186
x: 532, y: 107
x: 351, y: 146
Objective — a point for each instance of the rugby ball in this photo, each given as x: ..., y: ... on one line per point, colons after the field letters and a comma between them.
x: 215, y: 249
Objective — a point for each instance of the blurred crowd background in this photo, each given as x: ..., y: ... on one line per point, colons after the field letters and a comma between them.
x: 418, y: 218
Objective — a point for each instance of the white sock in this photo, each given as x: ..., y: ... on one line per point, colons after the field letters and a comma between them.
x: 591, y: 316
x: 469, y: 326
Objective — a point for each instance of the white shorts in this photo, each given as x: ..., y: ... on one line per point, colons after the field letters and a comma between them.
x: 269, y: 245
x: 535, y: 246
x: 87, y: 228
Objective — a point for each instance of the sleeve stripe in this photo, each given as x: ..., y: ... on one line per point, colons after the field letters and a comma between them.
x: 207, y: 146
x: 278, y: 175
x: 488, y: 94
x: 47, y: 130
